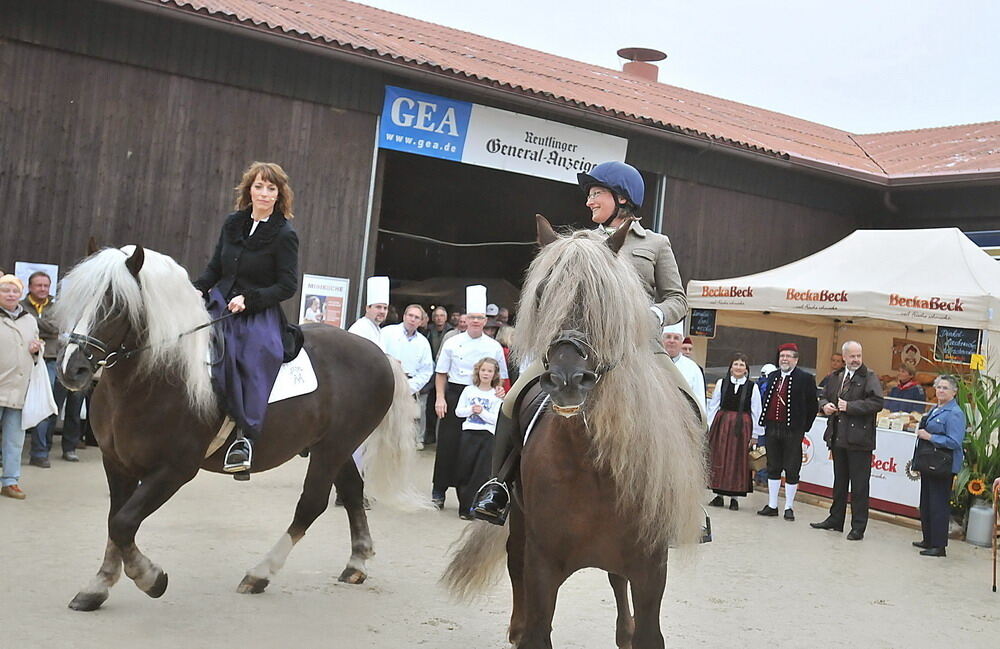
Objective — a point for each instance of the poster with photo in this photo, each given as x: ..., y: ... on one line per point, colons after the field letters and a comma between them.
x: 324, y: 300
x: 24, y: 269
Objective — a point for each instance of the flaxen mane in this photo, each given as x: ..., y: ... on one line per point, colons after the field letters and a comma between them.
x: 643, y: 430
x: 165, y: 306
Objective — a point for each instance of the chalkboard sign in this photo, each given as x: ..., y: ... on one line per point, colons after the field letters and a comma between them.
x: 702, y: 323
x: 956, y: 345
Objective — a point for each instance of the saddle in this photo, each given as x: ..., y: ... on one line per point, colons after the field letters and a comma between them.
x: 526, y: 409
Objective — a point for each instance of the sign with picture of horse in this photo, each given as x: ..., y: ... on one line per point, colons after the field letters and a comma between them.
x: 956, y: 344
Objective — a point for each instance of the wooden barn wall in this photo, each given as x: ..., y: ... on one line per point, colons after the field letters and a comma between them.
x: 162, y: 42
x: 969, y: 208
x: 134, y: 155
x: 711, y: 166
x: 719, y: 233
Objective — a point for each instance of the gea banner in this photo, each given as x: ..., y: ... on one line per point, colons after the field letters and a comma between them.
x: 416, y: 122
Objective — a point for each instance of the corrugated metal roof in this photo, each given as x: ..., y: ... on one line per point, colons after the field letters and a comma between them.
x: 383, y: 34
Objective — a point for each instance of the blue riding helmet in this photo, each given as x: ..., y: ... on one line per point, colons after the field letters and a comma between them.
x: 625, y: 180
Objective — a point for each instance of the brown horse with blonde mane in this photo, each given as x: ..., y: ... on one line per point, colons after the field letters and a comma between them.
x: 138, y: 323
x: 614, y: 471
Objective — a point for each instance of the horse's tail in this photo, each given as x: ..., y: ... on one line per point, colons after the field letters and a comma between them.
x: 389, y: 454
x: 478, y: 563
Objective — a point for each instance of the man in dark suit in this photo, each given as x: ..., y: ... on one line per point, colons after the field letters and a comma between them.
x: 788, y: 411
x: 850, y: 401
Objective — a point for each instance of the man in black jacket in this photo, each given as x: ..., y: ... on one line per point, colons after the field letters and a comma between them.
x: 788, y: 411
x: 850, y: 401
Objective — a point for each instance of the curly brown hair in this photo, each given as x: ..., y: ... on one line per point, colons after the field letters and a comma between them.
x: 270, y: 172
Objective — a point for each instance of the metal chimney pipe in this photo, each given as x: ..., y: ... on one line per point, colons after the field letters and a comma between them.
x: 639, y: 62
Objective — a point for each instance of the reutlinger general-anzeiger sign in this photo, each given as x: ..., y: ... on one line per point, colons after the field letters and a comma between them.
x: 429, y: 125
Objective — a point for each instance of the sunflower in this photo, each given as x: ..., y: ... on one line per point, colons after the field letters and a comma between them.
x: 977, y: 487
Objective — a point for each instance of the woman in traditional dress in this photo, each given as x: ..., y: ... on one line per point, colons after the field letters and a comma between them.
x: 254, y: 269
x: 614, y: 192
x: 734, y: 411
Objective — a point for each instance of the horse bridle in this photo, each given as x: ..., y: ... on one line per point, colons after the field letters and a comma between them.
x: 578, y: 340
x: 112, y: 357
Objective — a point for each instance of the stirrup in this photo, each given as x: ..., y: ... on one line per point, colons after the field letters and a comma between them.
x: 486, y: 508
x: 706, y: 531
x: 238, y: 465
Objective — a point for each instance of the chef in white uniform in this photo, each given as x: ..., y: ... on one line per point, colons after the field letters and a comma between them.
x: 673, y: 336
x: 376, y: 309
x: 453, y: 372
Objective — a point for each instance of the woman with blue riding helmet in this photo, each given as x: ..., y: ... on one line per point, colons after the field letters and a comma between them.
x: 614, y: 192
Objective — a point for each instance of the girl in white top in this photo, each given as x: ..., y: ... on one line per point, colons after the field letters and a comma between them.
x: 479, y: 403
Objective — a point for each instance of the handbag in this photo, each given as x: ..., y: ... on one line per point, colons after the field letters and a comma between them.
x: 39, y: 404
x: 758, y: 458
x: 929, y: 459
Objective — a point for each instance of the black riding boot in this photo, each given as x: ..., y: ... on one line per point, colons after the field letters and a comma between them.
x: 238, y: 458
x: 493, y: 499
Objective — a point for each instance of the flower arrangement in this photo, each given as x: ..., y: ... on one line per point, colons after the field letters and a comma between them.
x: 979, y: 397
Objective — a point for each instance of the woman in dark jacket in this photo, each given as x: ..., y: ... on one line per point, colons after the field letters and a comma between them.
x: 254, y: 268
x: 944, y: 427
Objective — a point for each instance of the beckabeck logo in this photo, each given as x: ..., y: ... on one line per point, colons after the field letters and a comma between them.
x: 888, y: 466
x: 815, y: 296
x: 931, y: 304
x: 727, y: 291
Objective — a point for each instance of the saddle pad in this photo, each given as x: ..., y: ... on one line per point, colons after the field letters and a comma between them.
x: 534, y: 404
x: 295, y: 378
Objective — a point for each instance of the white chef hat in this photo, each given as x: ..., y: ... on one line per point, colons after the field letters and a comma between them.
x: 475, y: 299
x: 676, y: 328
x: 492, y: 310
x: 378, y: 290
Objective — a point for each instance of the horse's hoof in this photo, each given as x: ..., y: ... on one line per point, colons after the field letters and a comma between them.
x: 352, y: 576
x: 159, y: 587
x: 252, y: 585
x: 88, y: 601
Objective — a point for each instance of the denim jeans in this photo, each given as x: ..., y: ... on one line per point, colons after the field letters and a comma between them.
x: 13, y: 442
x: 41, y: 435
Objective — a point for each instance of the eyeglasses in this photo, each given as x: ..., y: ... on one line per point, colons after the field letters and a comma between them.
x: 597, y: 193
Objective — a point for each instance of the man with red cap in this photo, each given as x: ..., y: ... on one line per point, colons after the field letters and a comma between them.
x: 789, y: 409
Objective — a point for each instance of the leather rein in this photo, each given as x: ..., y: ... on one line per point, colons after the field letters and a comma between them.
x: 111, y: 357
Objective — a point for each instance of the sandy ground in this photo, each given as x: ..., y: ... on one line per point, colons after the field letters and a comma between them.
x: 762, y: 583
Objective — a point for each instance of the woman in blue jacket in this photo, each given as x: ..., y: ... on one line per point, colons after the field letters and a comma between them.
x: 944, y: 426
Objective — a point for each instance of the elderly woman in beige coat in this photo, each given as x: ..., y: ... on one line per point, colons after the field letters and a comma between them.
x: 18, y: 343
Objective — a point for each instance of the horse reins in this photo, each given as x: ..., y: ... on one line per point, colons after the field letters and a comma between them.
x: 112, y: 357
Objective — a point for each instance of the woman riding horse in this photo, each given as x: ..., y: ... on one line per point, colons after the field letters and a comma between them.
x: 253, y: 270
x: 614, y: 193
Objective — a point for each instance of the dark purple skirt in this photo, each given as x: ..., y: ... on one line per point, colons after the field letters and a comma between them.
x: 249, y: 364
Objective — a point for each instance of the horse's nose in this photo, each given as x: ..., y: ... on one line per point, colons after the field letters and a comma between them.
x: 555, y: 381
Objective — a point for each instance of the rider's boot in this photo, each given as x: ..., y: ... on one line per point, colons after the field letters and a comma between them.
x: 238, y: 457
x: 492, y: 502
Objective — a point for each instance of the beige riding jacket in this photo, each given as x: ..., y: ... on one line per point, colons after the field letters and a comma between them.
x: 652, y: 256
x: 15, y: 361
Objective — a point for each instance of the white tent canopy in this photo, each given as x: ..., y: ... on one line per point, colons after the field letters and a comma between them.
x: 929, y: 277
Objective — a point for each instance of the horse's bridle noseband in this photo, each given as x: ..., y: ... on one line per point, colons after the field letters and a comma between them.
x: 578, y: 341
x: 110, y: 359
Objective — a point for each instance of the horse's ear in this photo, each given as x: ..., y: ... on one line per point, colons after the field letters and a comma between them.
x: 546, y: 234
x: 617, y: 240
x: 134, y: 263
x: 92, y: 246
